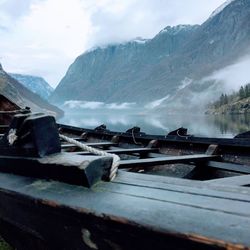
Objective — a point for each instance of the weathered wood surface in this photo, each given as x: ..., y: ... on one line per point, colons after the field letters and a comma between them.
x: 135, y: 211
x: 167, y: 160
x: 122, y: 215
x: 243, y: 180
x: 91, y: 144
x: 128, y: 151
x: 225, y: 143
x: 65, y: 167
x: 238, y: 168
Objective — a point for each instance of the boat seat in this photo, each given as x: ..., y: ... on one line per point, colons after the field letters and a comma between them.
x: 64, y: 167
x: 149, y: 162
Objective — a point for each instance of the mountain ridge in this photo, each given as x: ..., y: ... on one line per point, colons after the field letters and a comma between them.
x: 160, y: 66
x: 79, y: 73
x: 36, y: 84
x: 22, y: 97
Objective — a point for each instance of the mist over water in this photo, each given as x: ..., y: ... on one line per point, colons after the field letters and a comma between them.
x: 161, y: 124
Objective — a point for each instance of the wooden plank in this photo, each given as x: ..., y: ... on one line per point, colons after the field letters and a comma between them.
x: 133, y: 150
x: 242, y: 180
x: 91, y: 144
x: 237, y: 168
x: 128, y: 151
x: 58, y: 211
x: 181, y: 198
x: 72, y: 169
x: 190, y: 187
x: 164, y: 181
x: 167, y: 160
x: 200, y: 172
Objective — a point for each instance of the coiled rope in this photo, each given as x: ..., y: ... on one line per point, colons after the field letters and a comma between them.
x: 116, y: 158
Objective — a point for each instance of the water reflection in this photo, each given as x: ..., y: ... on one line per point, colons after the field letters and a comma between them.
x: 233, y: 124
x: 200, y: 125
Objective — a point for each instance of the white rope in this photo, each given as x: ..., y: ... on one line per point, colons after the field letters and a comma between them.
x: 184, y: 136
x: 133, y: 136
x: 12, y: 137
x: 116, y: 158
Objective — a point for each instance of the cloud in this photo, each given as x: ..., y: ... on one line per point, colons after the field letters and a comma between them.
x: 233, y: 76
x: 43, y: 37
x: 12, y: 10
x: 133, y: 18
x: 74, y: 104
x: 119, y: 106
x: 47, y: 39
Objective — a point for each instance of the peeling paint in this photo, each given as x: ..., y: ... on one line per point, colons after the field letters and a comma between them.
x: 86, y: 236
x: 41, y: 184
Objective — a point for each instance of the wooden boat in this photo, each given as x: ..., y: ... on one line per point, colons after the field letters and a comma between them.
x: 171, y: 192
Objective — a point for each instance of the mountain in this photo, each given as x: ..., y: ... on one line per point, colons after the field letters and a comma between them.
x: 220, y: 42
x: 34, y: 83
x: 173, y: 64
x: 22, y: 97
x: 116, y: 71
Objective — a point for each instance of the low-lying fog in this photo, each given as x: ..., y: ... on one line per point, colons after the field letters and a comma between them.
x: 120, y: 117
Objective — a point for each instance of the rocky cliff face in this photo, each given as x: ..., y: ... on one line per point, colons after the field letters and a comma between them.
x: 117, y: 72
x: 22, y: 97
x: 220, y: 41
x: 34, y: 83
x: 173, y: 63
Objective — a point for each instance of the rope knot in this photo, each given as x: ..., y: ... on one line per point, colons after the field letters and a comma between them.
x: 116, y: 158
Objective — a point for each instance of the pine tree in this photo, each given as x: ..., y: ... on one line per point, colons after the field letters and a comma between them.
x: 225, y: 99
x: 247, y: 90
x: 222, y: 99
x: 242, y: 92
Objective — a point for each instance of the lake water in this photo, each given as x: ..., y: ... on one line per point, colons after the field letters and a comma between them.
x: 121, y: 120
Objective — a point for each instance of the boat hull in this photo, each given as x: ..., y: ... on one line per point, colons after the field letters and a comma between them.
x: 37, y: 214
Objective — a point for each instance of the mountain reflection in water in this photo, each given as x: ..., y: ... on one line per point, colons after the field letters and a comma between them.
x: 199, y: 125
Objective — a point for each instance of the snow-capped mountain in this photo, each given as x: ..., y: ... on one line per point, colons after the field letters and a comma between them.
x: 34, y: 83
x: 116, y: 70
x: 221, y: 8
x: 149, y: 71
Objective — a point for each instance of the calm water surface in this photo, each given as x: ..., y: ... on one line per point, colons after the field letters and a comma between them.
x: 200, y: 125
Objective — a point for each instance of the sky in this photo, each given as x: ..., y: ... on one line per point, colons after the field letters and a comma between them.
x: 43, y: 37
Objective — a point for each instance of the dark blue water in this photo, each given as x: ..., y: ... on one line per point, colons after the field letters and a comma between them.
x: 200, y: 125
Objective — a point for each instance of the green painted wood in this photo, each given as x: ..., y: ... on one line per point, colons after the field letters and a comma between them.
x: 237, y: 168
x: 242, y: 180
x: 65, y: 167
x: 127, y: 151
x: 91, y: 144
x: 192, y: 187
x: 200, y: 200
x: 165, y: 181
x: 167, y: 160
x: 124, y: 213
